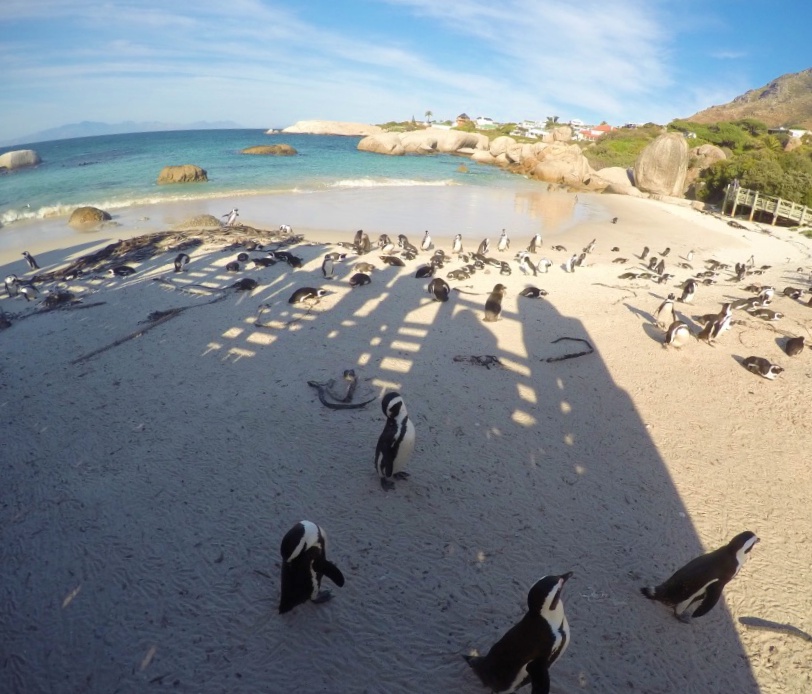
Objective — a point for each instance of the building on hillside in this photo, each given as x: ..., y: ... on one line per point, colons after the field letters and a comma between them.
x: 485, y: 123
x: 463, y: 119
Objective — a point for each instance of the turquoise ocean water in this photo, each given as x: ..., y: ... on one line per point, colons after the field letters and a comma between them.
x: 325, y: 185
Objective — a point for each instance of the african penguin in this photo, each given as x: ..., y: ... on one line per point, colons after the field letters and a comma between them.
x: 456, y: 246
x: 665, y: 252
x: 425, y: 271
x: 304, y: 564
x: 242, y: 257
x: 493, y: 304
x: 246, y: 284
x: 28, y: 290
x: 688, y: 291
x: 525, y: 264
x: 426, y: 244
x: 396, y: 442
x: 32, y: 262
x: 233, y: 266
x: 364, y: 267
x: 285, y: 228
x: 569, y: 266
x: 327, y: 267
x: 533, y: 292
x: 694, y: 589
x: 677, y: 335
x: 535, y: 244
x: 359, y: 279
x: 11, y: 283
x: 763, y: 367
x: 544, y: 264
x: 403, y: 243
x: 385, y: 244
x: 504, y: 242
x: 263, y: 262
x: 232, y: 217
x: 590, y: 246
x: 484, y: 247
x: 794, y: 346
x: 644, y: 254
x: 529, y: 649
x: 181, y: 259
x: 392, y: 260
x: 665, y: 315
x: 306, y: 294
x: 121, y: 271
x: 439, y: 288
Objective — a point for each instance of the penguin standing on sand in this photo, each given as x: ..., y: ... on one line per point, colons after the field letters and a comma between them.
x: 31, y: 260
x: 544, y: 264
x: 28, y: 290
x: 677, y: 335
x: 440, y: 289
x: 484, y: 247
x: 181, y: 260
x: 644, y: 254
x: 232, y: 217
x: 456, y: 245
x: 529, y: 649
x: 569, y: 266
x: 665, y: 315
x: 695, y: 588
x: 535, y: 244
x: 426, y: 244
x: 525, y: 264
x: 504, y: 242
x: 688, y: 291
x: 304, y: 564
x: 396, y: 442
x: 385, y: 244
x: 328, y: 266
x: 493, y: 305
x: 12, y: 285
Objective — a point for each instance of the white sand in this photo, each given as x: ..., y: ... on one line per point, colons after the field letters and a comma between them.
x: 146, y: 489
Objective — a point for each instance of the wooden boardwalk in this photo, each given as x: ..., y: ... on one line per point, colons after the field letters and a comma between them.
x: 736, y: 197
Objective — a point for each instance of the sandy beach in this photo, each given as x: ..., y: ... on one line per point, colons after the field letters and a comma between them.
x: 147, y: 487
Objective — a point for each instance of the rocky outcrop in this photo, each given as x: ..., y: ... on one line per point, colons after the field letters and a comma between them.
x: 662, y: 166
x: 699, y: 159
x: 427, y: 141
x: 201, y: 221
x: 87, y: 217
x: 186, y: 173
x: 19, y: 158
x: 331, y: 127
x: 385, y: 143
x: 271, y: 150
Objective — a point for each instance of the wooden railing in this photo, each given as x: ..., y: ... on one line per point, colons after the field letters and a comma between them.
x: 736, y: 196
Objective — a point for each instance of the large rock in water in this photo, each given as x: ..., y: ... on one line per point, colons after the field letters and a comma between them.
x: 186, y: 173
x: 428, y: 141
x: 272, y: 150
x: 87, y: 217
x: 384, y: 143
x: 662, y: 166
x: 19, y: 158
x: 332, y: 127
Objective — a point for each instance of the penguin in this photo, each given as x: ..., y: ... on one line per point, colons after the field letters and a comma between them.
x: 304, y: 564
x: 688, y: 291
x: 232, y: 217
x: 396, y: 442
x: 385, y: 244
x: 426, y: 244
x: 293, y: 260
x: 652, y: 262
x: 263, y: 262
x: 425, y: 271
x: 721, y: 322
x: 359, y: 279
x: 590, y: 246
x: 614, y: 220
x: 660, y: 269
x: 181, y: 260
x: 581, y: 259
x: 628, y: 276
x: 233, y: 266
x: 766, y: 314
x: 794, y: 346
x: 28, y: 290
x: 533, y: 292
x: 704, y: 335
x: 615, y: 249
x: 677, y: 335
x: 504, y: 269
x: 560, y: 248
x: 644, y: 254
x: 694, y: 589
x: 569, y: 266
x: 242, y: 257
x: 357, y: 238
x: 665, y: 314
x: 364, y: 245
x: 504, y: 242
x: 121, y: 271
x: 306, y: 294
x: 31, y: 260
x: 364, y: 267
x: 741, y: 271
x: 327, y: 267
x: 529, y: 649
x: 526, y: 265
x: 493, y: 305
x: 793, y: 292
x: 456, y: 245
x: 440, y: 289
x: 690, y: 256
x: 246, y: 284
x: 458, y: 275
x: 484, y: 247
x: 621, y: 261
x: 544, y: 265
x: 12, y: 286
x: 535, y: 244
x: 765, y: 296
x: 285, y: 229
x: 665, y: 252
x: 403, y: 243
x: 763, y: 367
x: 392, y: 260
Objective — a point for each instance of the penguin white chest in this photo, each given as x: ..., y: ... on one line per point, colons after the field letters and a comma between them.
x: 403, y: 444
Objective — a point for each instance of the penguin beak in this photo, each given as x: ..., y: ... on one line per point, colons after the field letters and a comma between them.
x: 566, y: 577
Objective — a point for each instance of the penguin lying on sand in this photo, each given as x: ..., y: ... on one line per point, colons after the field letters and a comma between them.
x: 695, y: 588
x: 528, y: 650
x: 304, y: 564
x: 763, y: 367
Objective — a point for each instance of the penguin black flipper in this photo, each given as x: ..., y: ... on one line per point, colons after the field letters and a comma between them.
x: 331, y: 571
x: 539, y: 676
x: 712, y: 594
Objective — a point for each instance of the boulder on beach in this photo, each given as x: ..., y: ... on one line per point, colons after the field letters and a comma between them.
x: 332, y: 127
x: 384, y: 143
x: 87, y: 217
x: 272, y: 150
x: 19, y: 158
x: 186, y: 173
x: 428, y: 141
x: 662, y: 166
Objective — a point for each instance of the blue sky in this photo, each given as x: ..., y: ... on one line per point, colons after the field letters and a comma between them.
x: 263, y: 63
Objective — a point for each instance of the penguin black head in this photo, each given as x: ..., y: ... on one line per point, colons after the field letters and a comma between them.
x: 392, y: 404
x: 545, y: 594
x: 743, y: 542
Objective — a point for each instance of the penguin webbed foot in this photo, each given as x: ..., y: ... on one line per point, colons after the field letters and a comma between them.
x: 323, y: 596
x: 401, y: 475
x: 387, y: 484
x: 684, y: 617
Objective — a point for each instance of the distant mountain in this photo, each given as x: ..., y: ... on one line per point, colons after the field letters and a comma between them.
x: 91, y: 128
x: 786, y: 101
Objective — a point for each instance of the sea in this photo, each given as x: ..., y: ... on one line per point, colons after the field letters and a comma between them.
x: 328, y: 185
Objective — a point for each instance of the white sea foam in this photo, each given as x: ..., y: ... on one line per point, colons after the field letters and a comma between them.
x: 388, y: 183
